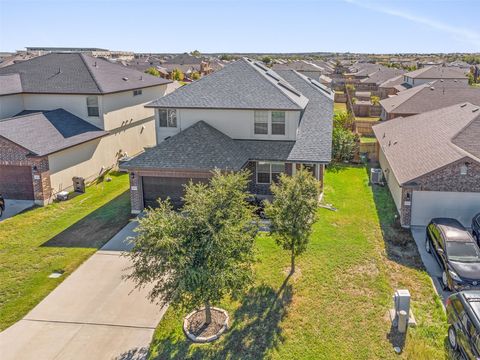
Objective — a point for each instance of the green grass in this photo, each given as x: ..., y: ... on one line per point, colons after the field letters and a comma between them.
x: 335, y: 307
x: 367, y: 139
x: 367, y: 118
x: 59, y: 236
x: 339, y: 107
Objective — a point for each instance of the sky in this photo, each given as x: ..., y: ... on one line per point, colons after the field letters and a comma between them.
x: 222, y: 26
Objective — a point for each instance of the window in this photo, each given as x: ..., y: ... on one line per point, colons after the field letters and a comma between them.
x: 277, y: 169
x: 92, y: 106
x: 167, y: 117
x: 278, y: 122
x: 261, y: 123
x: 263, y: 173
x: 137, y: 92
x: 269, y: 172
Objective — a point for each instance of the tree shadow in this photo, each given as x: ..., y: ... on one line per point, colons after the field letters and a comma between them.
x: 399, y: 243
x: 134, y: 354
x: 95, y: 229
x: 254, y: 331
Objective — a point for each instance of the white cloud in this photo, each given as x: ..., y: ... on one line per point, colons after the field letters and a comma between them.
x: 459, y: 33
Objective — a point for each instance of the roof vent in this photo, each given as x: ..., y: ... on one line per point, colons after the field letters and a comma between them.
x: 125, y: 78
x: 463, y: 105
x: 432, y: 88
x: 475, y: 110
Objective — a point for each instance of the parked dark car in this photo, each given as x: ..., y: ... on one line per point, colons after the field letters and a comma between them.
x: 457, y: 253
x: 476, y: 228
x: 2, y: 205
x: 463, y: 314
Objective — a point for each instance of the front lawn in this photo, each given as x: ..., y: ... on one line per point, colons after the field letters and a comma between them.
x: 58, y: 237
x: 335, y: 307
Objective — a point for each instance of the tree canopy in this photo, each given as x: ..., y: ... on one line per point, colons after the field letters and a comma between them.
x: 198, y: 255
x: 178, y: 75
x: 153, y: 71
x: 293, y: 211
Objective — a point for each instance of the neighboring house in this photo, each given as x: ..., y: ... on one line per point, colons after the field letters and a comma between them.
x: 376, y: 78
x: 431, y: 73
x: 426, y: 97
x: 245, y: 116
x: 304, y: 67
x: 431, y: 163
x: 82, y: 90
x: 391, y: 87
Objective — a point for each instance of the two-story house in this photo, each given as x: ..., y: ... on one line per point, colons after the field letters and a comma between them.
x: 245, y: 116
x: 428, y: 74
x: 70, y: 114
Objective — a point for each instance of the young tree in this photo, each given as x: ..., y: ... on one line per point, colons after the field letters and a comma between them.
x: 293, y: 211
x: 198, y: 255
x: 153, y: 71
x: 267, y: 60
x: 345, y: 144
x: 195, y: 75
x: 177, y: 75
x: 375, y: 100
x: 195, y: 53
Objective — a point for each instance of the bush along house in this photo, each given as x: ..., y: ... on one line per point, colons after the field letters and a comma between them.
x: 245, y: 116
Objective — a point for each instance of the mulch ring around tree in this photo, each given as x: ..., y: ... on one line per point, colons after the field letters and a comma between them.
x: 197, y: 331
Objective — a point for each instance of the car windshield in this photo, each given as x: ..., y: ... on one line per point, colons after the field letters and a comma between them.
x: 463, y: 251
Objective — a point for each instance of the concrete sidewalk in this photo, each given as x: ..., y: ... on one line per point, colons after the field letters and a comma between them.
x: 93, y: 314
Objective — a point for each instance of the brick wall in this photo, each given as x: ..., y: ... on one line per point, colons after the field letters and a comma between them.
x: 447, y: 179
x: 14, y: 155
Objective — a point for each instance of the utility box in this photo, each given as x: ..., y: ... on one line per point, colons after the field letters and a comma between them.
x: 376, y: 176
x: 401, y: 301
x: 78, y: 184
x: 62, y: 196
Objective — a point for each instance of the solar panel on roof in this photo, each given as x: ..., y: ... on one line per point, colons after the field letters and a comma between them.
x: 261, y: 66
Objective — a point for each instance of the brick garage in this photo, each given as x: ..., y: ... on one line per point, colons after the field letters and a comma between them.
x: 23, y: 176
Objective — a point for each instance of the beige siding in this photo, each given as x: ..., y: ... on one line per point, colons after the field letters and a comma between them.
x: 10, y: 105
x: 87, y: 160
x: 392, y: 182
x: 238, y: 124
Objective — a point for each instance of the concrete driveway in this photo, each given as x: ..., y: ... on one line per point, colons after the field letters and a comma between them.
x: 431, y: 264
x: 13, y: 207
x: 93, y: 314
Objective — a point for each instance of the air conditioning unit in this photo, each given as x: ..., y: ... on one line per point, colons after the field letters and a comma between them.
x: 376, y: 176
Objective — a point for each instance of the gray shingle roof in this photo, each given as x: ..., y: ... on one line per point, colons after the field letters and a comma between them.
x: 201, y: 147
x: 314, y: 136
x: 428, y: 97
x: 46, y: 132
x: 75, y: 73
x: 437, y: 72
x: 382, y: 75
x: 10, y: 84
x: 240, y: 85
x: 419, y: 144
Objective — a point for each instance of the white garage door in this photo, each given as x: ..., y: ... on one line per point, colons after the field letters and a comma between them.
x: 427, y: 205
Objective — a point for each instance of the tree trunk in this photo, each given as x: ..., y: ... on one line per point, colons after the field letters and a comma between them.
x: 208, y: 314
x: 292, y: 267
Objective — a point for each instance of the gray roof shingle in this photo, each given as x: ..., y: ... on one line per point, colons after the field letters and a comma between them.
x: 428, y: 97
x: 437, y: 72
x: 314, y: 135
x: 419, y: 144
x: 201, y: 147
x: 75, y: 73
x: 241, y: 85
x: 47, y: 132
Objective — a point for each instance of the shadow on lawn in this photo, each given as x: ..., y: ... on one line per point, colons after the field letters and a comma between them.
x: 95, y: 229
x: 254, y: 331
x: 399, y: 243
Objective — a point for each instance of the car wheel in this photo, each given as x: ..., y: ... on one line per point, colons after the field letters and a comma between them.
x: 452, y: 338
x: 427, y: 246
x: 445, y: 281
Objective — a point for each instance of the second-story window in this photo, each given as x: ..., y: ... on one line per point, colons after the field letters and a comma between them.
x: 167, y: 118
x: 92, y: 106
x: 137, y: 92
x: 261, y: 123
x: 278, y: 122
